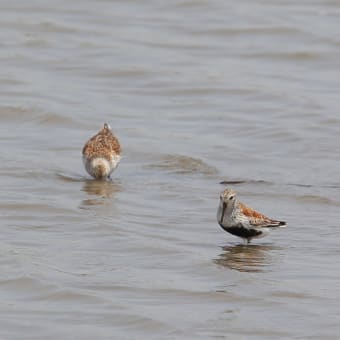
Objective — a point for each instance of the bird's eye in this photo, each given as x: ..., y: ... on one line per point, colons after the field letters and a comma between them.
x: 231, y: 197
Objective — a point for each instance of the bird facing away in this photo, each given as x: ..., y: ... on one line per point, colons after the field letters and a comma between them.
x: 101, y: 153
x: 238, y: 219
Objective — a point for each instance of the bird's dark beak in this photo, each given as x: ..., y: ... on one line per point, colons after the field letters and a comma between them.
x: 224, y: 206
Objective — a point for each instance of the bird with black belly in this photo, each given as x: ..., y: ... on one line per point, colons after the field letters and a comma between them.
x: 238, y: 219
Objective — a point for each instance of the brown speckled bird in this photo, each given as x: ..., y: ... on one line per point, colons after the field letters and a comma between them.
x: 102, y: 153
x: 242, y: 221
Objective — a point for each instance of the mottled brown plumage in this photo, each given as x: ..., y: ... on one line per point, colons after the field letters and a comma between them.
x: 255, y: 218
x: 101, y: 153
x: 103, y: 144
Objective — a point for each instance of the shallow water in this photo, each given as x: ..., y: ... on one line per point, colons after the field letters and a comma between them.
x: 199, y: 93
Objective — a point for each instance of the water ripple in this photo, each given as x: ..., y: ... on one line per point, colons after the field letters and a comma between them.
x: 183, y: 165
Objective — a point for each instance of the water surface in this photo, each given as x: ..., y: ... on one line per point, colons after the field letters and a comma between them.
x: 198, y: 92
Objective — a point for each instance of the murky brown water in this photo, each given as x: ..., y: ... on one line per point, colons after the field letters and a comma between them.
x: 198, y: 92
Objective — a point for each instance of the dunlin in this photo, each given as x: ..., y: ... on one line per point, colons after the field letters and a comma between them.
x: 238, y: 219
x: 101, y: 153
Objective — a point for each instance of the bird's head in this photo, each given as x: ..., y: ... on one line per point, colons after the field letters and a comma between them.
x: 227, y: 201
x: 228, y: 196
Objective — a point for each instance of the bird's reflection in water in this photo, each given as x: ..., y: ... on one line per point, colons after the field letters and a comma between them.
x: 246, y: 258
x: 101, y: 189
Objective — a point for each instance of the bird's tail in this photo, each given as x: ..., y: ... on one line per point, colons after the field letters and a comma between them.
x: 276, y: 224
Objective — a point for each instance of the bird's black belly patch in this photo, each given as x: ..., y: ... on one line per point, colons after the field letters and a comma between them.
x: 243, y: 232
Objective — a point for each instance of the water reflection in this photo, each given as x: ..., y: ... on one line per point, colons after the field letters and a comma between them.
x: 101, y: 189
x: 246, y: 258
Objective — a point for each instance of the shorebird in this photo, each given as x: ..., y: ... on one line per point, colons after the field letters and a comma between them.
x: 101, y: 153
x: 238, y: 219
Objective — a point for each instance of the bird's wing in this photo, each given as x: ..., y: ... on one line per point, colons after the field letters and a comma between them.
x: 102, y: 144
x: 259, y: 220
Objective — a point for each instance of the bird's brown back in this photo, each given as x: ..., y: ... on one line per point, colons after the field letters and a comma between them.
x: 255, y: 217
x: 103, y: 144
